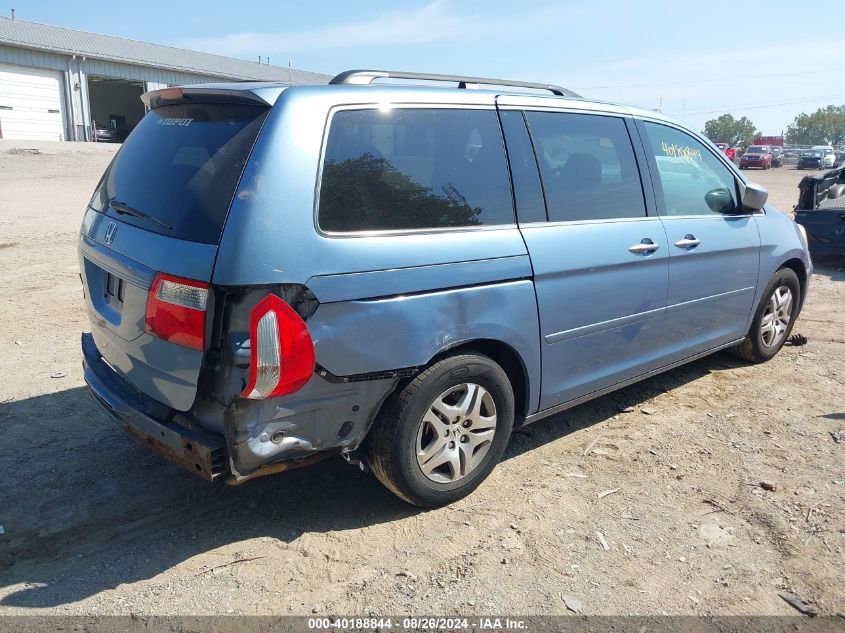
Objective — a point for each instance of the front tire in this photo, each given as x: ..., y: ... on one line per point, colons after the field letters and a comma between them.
x: 773, y: 319
x: 439, y: 437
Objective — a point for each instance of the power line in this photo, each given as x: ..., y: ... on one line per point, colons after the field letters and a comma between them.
x: 705, y: 81
x: 756, y: 106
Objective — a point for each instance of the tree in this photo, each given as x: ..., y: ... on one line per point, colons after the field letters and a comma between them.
x: 727, y: 129
x: 366, y: 191
x: 825, y: 126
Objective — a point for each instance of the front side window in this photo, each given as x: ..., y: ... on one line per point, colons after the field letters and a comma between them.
x: 694, y: 181
x: 414, y: 168
x: 588, y: 166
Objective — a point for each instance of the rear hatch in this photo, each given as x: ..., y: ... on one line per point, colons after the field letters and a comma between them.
x: 160, y: 208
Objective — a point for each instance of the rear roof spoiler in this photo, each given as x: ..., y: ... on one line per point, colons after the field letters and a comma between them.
x: 366, y: 77
x: 264, y: 95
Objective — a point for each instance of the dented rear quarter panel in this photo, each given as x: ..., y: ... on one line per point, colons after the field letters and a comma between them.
x: 371, y: 335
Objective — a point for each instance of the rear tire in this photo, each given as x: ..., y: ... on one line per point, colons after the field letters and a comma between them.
x: 435, y: 440
x: 773, y: 319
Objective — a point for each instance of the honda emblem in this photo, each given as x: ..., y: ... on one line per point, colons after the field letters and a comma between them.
x: 111, y: 229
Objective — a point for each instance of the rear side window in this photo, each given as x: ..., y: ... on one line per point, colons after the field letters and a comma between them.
x: 693, y: 180
x: 588, y: 166
x: 420, y: 168
x: 179, y: 169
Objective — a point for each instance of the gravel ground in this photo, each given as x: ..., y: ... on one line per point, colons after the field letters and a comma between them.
x: 663, y: 514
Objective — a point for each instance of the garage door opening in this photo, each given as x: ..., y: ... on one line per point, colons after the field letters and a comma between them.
x: 116, y: 107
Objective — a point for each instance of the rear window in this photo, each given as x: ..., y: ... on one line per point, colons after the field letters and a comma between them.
x: 178, y: 169
x: 414, y: 168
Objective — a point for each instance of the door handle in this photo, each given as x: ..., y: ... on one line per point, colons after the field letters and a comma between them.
x: 645, y: 246
x: 689, y: 241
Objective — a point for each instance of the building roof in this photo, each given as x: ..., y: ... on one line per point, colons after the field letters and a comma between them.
x: 55, y: 39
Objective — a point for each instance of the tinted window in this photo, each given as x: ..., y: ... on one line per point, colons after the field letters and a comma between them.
x: 414, y: 169
x: 527, y: 188
x: 180, y: 166
x: 693, y: 180
x: 588, y: 166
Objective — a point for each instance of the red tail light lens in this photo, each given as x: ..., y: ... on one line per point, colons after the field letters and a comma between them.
x: 169, y: 93
x: 176, y: 310
x: 281, y: 350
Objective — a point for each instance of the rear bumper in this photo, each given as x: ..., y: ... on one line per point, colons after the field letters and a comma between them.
x: 151, y: 422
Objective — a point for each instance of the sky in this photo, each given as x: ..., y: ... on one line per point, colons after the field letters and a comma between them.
x: 769, y: 61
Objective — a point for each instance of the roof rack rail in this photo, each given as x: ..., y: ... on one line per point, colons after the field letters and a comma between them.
x: 366, y: 77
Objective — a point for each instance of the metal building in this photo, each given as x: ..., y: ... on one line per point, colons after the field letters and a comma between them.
x: 63, y: 84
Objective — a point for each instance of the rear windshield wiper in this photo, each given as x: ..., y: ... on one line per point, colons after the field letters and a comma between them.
x: 125, y: 209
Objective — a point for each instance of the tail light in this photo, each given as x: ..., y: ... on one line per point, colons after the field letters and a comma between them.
x: 176, y: 310
x: 281, y: 350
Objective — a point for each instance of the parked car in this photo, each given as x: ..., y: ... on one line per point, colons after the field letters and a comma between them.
x: 756, y: 156
x: 777, y: 156
x: 829, y: 159
x: 728, y: 151
x: 102, y: 134
x: 403, y: 274
x: 840, y: 158
x: 811, y: 159
x: 821, y: 211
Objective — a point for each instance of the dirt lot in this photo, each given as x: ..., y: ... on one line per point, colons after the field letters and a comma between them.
x: 95, y: 524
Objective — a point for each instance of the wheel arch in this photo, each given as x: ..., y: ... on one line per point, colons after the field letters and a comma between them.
x: 507, y: 358
x: 797, y: 266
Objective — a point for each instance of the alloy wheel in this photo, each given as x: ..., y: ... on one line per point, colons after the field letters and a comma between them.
x: 776, y: 318
x: 456, y: 432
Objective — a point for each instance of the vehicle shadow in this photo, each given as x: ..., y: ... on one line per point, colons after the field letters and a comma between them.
x: 830, y: 266
x: 86, y: 509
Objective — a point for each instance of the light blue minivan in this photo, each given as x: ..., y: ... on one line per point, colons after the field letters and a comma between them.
x: 402, y: 274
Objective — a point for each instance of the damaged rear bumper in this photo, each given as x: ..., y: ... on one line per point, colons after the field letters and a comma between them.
x: 151, y: 422
x: 821, y: 211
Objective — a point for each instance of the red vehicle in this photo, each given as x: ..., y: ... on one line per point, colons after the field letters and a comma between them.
x: 756, y: 156
x: 727, y: 150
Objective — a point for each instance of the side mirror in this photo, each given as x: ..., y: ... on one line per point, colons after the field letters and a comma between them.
x: 754, y: 196
x: 720, y: 201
